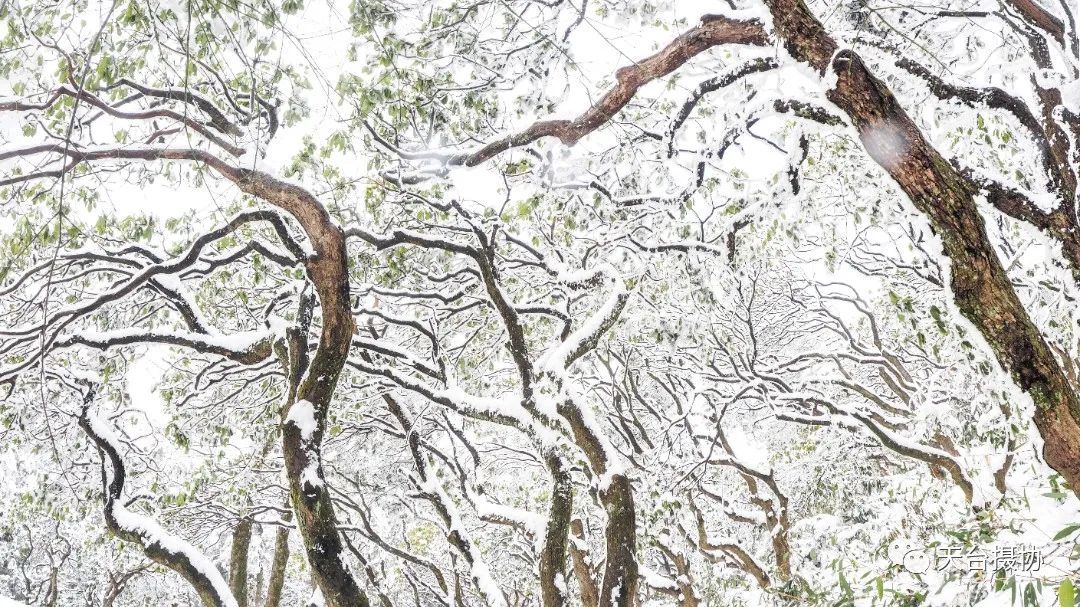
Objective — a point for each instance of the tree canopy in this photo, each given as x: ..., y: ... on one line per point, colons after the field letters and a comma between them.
x: 543, y: 303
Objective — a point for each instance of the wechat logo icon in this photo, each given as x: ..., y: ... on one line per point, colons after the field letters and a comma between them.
x: 913, y: 559
x: 916, y: 561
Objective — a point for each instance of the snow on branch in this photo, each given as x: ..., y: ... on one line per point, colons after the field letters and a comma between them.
x: 713, y: 30
x: 584, y: 338
x: 161, y: 546
x: 481, y: 574
x: 245, y: 346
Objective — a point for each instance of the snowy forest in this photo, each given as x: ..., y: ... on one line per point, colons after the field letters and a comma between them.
x: 539, y: 303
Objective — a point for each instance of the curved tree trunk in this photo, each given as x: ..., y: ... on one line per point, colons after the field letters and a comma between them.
x: 311, y: 383
x: 168, y: 551
x: 312, y: 386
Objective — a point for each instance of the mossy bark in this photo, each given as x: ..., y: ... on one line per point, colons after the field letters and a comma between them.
x: 238, y: 560
x: 556, y: 534
x: 979, y: 283
x: 620, y: 581
x: 277, y: 567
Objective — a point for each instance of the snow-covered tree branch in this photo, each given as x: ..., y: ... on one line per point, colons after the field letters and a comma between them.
x: 539, y: 302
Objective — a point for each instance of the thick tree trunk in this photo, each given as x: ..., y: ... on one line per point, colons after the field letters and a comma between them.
x: 277, y: 568
x: 620, y: 582
x: 277, y: 581
x: 312, y: 386
x: 238, y: 560
x: 979, y: 282
x: 315, y: 383
x: 778, y: 532
x: 553, y: 553
x: 301, y: 445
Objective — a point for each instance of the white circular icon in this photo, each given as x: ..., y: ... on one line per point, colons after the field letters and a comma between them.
x: 916, y: 561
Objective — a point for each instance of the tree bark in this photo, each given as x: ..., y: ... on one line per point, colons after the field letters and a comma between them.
x: 327, y: 269
x: 277, y: 568
x: 238, y: 560
x: 620, y: 582
x: 979, y: 283
x: 582, y: 570
x: 314, y: 383
x: 556, y: 533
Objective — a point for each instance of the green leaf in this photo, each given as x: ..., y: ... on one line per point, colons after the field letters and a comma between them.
x: 844, y: 585
x: 1000, y: 580
x: 1066, y: 594
x: 1031, y: 598
x: 1067, y: 531
x: 103, y: 68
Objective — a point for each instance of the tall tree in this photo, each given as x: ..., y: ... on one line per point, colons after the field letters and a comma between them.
x: 489, y: 353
